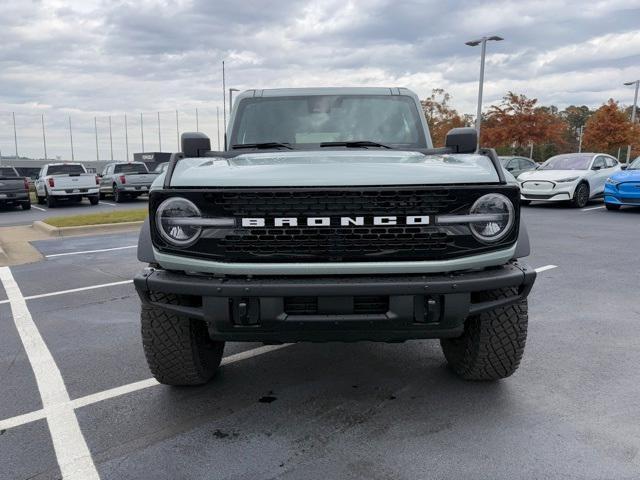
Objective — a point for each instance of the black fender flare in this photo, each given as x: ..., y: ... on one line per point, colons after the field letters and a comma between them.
x: 523, y: 247
x: 145, y: 247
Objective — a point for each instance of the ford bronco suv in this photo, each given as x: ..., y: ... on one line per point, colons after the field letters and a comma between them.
x: 329, y: 216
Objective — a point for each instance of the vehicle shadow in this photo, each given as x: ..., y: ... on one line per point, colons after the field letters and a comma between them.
x: 306, y: 400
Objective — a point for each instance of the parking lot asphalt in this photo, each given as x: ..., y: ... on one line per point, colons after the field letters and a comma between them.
x: 10, y: 215
x: 326, y: 411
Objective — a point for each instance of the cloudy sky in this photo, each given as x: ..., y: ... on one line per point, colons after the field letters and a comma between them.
x: 89, y: 58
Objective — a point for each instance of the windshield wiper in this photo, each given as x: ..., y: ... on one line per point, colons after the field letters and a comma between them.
x: 238, y: 146
x: 355, y: 144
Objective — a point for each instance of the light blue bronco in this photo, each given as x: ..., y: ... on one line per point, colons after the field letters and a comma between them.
x: 329, y: 216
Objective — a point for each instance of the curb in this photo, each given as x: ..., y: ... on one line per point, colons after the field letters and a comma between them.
x: 86, y: 229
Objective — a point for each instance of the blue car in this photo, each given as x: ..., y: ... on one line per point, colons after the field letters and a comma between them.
x: 623, y: 188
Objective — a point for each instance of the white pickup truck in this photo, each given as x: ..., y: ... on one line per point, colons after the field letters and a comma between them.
x: 66, y: 181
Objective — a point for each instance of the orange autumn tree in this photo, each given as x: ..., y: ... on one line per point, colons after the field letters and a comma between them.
x: 518, y: 122
x: 441, y: 117
x: 609, y: 129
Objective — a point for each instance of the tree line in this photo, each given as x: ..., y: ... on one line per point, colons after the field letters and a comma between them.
x: 520, y: 126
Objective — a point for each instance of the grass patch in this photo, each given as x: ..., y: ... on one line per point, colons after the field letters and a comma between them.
x: 98, y: 218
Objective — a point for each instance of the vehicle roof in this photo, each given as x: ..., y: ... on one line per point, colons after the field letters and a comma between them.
x: 63, y: 163
x: 292, y: 92
x: 124, y: 163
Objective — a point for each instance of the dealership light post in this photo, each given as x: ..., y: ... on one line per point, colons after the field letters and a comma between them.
x: 159, y: 135
x: 126, y: 136
x: 15, y: 134
x: 633, y: 112
x: 73, y: 157
x: 142, y: 131
x: 473, y: 43
x: 580, y: 141
x: 110, y: 138
x: 44, y: 138
x: 95, y: 129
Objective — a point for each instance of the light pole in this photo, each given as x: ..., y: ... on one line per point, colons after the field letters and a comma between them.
x: 44, y: 138
x: 633, y: 113
x: 473, y: 43
x: 73, y: 157
x: 126, y: 136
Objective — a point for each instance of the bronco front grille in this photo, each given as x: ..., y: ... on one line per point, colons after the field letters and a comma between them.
x: 335, y: 243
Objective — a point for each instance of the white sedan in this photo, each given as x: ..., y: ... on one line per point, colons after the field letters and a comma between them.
x: 574, y: 177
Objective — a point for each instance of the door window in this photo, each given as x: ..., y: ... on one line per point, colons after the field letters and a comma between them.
x: 599, y: 162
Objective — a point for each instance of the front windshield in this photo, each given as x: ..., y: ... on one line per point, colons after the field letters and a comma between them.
x: 504, y: 160
x: 567, y: 162
x: 311, y: 120
x: 635, y: 165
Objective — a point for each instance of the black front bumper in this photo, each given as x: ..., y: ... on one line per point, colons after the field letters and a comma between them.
x: 346, y: 308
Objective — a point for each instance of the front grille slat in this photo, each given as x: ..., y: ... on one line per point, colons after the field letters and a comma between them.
x: 335, y: 243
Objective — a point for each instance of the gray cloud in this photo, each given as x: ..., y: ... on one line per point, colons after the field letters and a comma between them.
x: 96, y: 58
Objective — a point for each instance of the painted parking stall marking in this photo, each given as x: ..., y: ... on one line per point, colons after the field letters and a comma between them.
x: 72, y: 453
x: 125, y: 389
x: 85, y: 252
x: 545, y: 268
x: 592, y: 208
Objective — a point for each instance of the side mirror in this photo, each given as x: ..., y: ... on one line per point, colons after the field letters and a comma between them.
x: 194, y: 144
x: 624, y: 167
x: 510, y: 169
x: 596, y: 167
x: 462, y: 140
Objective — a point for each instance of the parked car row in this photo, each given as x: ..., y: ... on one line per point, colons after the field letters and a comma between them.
x: 72, y: 182
x: 580, y: 177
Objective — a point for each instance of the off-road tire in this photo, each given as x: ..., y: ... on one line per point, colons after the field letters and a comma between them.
x: 612, y: 206
x: 581, y: 196
x: 26, y: 205
x: 525, y: 202
x: 51, y: 201
x: 94, y: 199
x: 40, y: 199
x: 178, y: 349
x: 492, y: 344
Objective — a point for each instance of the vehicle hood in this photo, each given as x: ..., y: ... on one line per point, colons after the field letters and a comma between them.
x: 332, y: 168
x: 626, y: 176
x: 551, y: 175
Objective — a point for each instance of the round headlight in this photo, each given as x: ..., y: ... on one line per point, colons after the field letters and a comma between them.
x: 501, y: 215
x: 172, y: 221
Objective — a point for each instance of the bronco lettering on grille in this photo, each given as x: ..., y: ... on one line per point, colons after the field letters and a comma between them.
x: 256, y: 222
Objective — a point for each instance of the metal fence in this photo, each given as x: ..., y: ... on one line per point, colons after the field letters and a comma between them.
x: 82, y: 136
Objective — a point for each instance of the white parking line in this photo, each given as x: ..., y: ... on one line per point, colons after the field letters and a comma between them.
x: 592, y: 208
x: 125, y: 389
x: 38, y: 208
x: 72, y: 290
x: 107, y: 203
x: 69, y: 444
x: 89, y: 251
x: 545, y: 268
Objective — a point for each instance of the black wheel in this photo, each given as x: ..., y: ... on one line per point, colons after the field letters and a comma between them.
x: 581, y: 196
x: 26, y: 205
x: 612, y: 206
x: 178, y: 349
x: 51, y: 201
x: 117, y: 195
x: 94, y: 199
x: 525, y: 202
x: 492, y: 344
x: 40, y: 199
